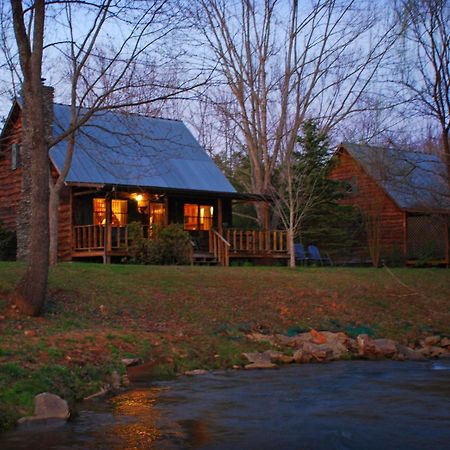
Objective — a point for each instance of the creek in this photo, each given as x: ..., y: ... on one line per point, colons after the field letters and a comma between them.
x: 340, y: 405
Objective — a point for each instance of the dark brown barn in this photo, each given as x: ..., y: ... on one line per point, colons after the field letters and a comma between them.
x: 404, y: 196
x: 132, y: 168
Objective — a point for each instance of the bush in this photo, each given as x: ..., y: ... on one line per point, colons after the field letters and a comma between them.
x: 8, y: 244
x: 168, y: 245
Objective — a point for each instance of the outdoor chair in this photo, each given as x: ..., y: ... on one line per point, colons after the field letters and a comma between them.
x: 315, y: 256
x: 300, y: 254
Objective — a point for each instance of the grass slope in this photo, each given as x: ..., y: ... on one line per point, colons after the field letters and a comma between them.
x: 182, y: 318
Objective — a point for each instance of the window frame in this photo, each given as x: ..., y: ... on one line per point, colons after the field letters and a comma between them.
x: 208, y: 221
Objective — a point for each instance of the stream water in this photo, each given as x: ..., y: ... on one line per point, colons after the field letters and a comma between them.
x: 342, y: 405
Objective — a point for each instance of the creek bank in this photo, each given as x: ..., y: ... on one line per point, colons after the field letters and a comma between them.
x: 325, y: 346
x: 315, y: 346
x: 309, y: 347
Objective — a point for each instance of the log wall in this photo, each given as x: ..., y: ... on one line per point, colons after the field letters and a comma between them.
x: 371, y: 199
x: 10, y: 180
x: 10, y: 193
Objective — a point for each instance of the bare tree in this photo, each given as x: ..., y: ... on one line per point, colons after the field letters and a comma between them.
x: 425, y: 74
x: 32, y: 288
x: 101, y: 77
x: 119, y: 77
x: 284, y: 62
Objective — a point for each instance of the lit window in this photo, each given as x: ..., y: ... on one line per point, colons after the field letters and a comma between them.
x: 198, y: 217
x: 157, y: 213
x: 119, y: 212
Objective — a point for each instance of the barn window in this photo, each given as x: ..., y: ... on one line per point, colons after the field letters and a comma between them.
x: 15, y: 156
x: 350, y: 186
x: 198, y: 217
x: 119, y: 209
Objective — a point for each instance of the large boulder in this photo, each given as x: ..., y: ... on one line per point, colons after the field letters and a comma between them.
x: 313, y: 352
x: 321, y: 346
x: 375, y: 348
x: 259, y: 361
x: 434, y: 351
x: 279, y: 357
x: 48, y: 407
x: 409, y: 353
x: 431, y: 341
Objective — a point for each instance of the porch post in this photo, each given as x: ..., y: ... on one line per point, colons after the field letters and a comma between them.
x: 166, y: 211
x: 447, y: 240
x: 266, y: 209
x: 108, y: 231
x: 219, y: 216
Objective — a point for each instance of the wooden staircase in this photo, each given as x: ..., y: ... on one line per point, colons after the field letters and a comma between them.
x: 204, y: 259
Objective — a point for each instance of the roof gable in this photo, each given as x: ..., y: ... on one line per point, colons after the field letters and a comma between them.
x: 414, y: 181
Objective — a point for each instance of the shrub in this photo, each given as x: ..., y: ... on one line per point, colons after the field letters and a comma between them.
x: 8, y: 244
x: 167, y: 245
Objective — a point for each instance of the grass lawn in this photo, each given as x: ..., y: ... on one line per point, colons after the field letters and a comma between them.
x: 194, y: 317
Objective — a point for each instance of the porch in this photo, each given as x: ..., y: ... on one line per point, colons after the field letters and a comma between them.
x: 232, y: 244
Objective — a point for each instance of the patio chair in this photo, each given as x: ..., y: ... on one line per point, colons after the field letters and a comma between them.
x: 315, y: 256
x: 300, y: 254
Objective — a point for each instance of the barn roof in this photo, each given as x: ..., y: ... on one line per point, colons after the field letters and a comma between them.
x: 134, y: 150
x: 415, y: 181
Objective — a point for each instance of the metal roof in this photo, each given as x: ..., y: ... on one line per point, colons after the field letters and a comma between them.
x: 415, y: 181
x: 133, y: 150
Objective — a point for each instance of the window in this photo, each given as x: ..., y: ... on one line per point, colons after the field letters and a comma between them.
x: 350, y: 186
x: 99, y: 211
x: 198, y: 217
x: 119, y: 212
x: 157, y: 213
x: 15, y: 156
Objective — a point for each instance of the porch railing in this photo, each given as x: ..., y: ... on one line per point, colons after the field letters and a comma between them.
x: 256, y: 242
x: 95, y: 237
x: 233, y: 243
x: 219, y: 247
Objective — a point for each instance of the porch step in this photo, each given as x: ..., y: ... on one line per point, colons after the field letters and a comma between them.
x: 204, y: 259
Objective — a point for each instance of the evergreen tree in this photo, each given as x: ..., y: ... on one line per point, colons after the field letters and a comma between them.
x: 331, y: 226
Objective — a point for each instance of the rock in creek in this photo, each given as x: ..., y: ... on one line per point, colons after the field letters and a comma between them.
x: 375, y: 348
x: 192, y: 373
x: 259, y: 361
x: 409, y: 353
x: 48, y: 407
x: 130, y: 362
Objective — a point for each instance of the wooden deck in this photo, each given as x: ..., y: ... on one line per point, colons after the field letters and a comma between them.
x: 97, y: 241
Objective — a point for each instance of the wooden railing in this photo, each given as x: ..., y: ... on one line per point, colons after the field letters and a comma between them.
x: 234, y: 243
x: 94, y: 237
x: 219, y: 247
x: 257, y: 242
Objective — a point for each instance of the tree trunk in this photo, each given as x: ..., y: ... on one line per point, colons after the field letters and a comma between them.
x: 446, y: 145
x: 31, y: 290
x: 290, y: 236
x: 30, y: 293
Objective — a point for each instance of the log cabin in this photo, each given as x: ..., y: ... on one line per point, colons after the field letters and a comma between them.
x: 133, y: 168
x: 404, y: 196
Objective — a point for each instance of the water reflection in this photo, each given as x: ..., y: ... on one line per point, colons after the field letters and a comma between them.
x: 142, y: 430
